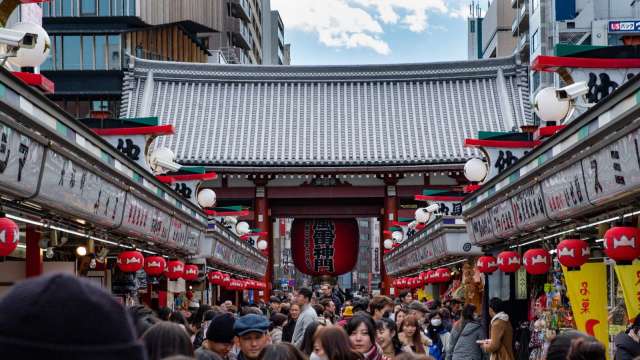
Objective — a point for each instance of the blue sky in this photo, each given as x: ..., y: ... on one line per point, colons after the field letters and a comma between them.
x: 374, y: 31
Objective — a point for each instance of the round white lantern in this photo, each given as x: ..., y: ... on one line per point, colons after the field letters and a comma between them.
x: 548, y: 107
x: 207, y: 198
x: 422, y: 215
x: 35, y: 56
x: 242, y: 228
x: 262, y: 245
x: 388, y: 244
x: 475, y: 170
x: 398, y: 236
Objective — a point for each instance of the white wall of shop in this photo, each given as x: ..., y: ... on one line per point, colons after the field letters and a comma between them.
x: 12, y: 271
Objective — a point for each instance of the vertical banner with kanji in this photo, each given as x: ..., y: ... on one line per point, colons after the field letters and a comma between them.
x: 587, y: 292
x: 629, y: 278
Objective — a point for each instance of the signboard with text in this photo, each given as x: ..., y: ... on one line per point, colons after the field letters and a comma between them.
x: 20, y: 162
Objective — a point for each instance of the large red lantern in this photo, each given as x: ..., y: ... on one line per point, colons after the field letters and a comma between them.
x: 215, y: 277
x: 130, y: 261
x: 191, y: 272
x: 508, y: 261
x: 175, y: 270
x: 226, y: 280
x: 536, y: 261
x: 154, y: 265
x: 443, y: 275
x: 324, y: 246
x: 9, y: 235
x: 621, y: 244
x: 487, y: 264
x: 573, y: 253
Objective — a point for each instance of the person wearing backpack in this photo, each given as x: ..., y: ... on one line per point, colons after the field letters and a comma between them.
x: 463, y: 344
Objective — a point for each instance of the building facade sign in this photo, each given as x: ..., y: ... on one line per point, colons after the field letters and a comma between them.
x: 503, y: 220
x: 565, y: 193
x: 227, y: 255
x: 481, y: 228
x: 626, y: 26
x: 528, y: 208
x: 20, y: 162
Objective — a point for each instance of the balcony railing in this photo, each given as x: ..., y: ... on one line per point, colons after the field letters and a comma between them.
x: 242, y: 9
x: 521, y: 21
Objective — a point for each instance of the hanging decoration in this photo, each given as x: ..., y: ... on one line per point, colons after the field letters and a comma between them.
x: 175, y: 270
x: 154, y: 265
x: 487, y: 264
x: 226, y: 280
x: 621, y: 244
x: 9, y: 235
x: 215, y: 277
x: 430, y: 276
x: 573, y: 253
x: 536, y: 261
x: 191, y: 272
x: 508, y: 261
x: 443, y: 275
x: 130, y: 261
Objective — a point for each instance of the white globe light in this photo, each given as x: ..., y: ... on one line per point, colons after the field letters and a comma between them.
x: 388, y: 244
x: 422, y: 215
x: 207, y: 198
x: 242, y: 228
x: 81, y: 251
x: 548, y: 107
x: 35, y: 56
x: 398, y: 236
x: 475, y: 170
x: 262, y: 245
x: 230, y: 220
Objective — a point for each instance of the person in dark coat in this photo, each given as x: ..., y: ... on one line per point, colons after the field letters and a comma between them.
x: 463, y: 343
x: 628, y: 343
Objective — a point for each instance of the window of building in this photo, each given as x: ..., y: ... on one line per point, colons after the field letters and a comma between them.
x: 58, y: 52
x: 67, y: 7
x: 101, y: 50
x: 535, y: 40
x: 88, y: 8
x: 114, y: 52
x: 87, y: 53
x: 472, y: 26
x: 103, y: 7
x: 535, y: 4
x: 71, y: 52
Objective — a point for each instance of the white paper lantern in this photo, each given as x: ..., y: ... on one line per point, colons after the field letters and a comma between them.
x: 548, y: 107
x: 35, y: 56
x: 398, y: 236
x: 243, y: 228
x: 475, y: 170
x: 262, y: 245
x: 422, y: 215
x: 207, y: 198
x: 388, y: 244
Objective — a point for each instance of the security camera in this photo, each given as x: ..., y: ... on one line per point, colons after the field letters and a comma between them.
x: 18, y: 39
x: 433, y: 208
x: 168, y: 165
x: 572, y: 91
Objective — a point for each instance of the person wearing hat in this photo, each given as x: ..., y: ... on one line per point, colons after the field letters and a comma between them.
x: 60, y: 316
x: 274, y: 305
x: 219, y: 339
x: 418, y: 310
x: 251, y: 331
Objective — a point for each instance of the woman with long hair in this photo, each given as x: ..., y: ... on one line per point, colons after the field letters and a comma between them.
x: 287, y: 329
x: 309, y: 335
x: 362, y: 332
x: 399, y: 315
x: 165, y: 339
x: 332, y: 343
x: 387, y: 338
x: 409, y: 335
x: 465, y: 335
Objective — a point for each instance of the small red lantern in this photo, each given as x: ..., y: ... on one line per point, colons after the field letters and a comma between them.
x: 154, y: 265
x: 175, y: 270
x: 487, y: 264
x: 508, y: 261
x: 215, y: 277
x: 130, y: 261
x: 573, y: 253
x: 191, y: 272
x: 621, y: 244
x: 444, y: 275
x: 423, y: 278
x: 226, y: 280
x: 9, y: 235
x: 402, y: 283
x: 536, y: 261
x: 431, y: 276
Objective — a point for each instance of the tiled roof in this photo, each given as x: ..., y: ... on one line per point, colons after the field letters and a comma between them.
x: 364, y: 115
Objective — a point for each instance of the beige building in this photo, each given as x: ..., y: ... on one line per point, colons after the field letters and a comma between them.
x: 490, y: 35
x: 240, y: 36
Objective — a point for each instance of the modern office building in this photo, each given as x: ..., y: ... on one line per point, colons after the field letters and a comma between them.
x: 273, y: 39
x: 490, y: 36
x: 240, y: 36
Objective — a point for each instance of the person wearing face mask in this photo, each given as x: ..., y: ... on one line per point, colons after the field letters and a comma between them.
x: 380, y: 307
x: 362, y: 333
x: 463, y: 344
x: 439, y: 336
x: 332, y: 343
x: 387, y: 338
x: 628, y: 343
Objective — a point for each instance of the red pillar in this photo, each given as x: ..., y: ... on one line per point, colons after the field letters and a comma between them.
x: 33, y: 253
x: 390, y: 214
x: 263, y: 222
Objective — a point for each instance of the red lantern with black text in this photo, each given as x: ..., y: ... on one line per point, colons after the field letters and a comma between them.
x: 130, y: 261
x: 444, y: 275
x: 508, y: 261
x: 324, y: 246
x: 175, y: 270
x: 621, y: 244
x: 191, y: 272
x: 536, y: 261
x: 573, y: 253
x: 487, y: 264
x: 9, y: 236
x: 154, y: 265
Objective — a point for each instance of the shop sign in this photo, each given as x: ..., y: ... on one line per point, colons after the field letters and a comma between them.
x: 73, y: 189
x: 502, y: 158
x: 193, y: 240
x: 602, y: 82
x: 20, y: 162
x: 138, y: 218
x: 229, y: 256
x: 521, y: 284
x: 565, y: 193
x: 131, y: 146
x: 503, y: 220
x: 160, y: 226
x: 528, y: 208
x: 178, y: 233
x: 614, y: 169
x: 481, y: 228
x: 627, y: 26
x: 629, y: 279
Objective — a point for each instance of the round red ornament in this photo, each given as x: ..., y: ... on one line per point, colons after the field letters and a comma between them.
x: 226, y: 280
x: 508, y: 261
x: 487, y: 264
x: 190, y: 272
x: 175, y: 269
x: 9, y: 236
x: 215, y: 277
x: 536, y: 261
x: 154, y: 265
x: 130, y: 261
x: 443, y: 275
x: 573, y: 253
x: 621, y: 244
x: 431, y: 277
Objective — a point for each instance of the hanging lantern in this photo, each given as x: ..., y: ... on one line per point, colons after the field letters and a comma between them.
x: 191, y: 272
x: 398, y: 236
x: 324, y: 246
x: 423, y: 278
x: 130, y: 261
x: 262, y: 245
x: 487, y: 264
x: 475, y: 170
x: 215, y: 277
x: 175, y: 270
x: 242, y: 228
x: 403, y: 283
x: 621, y: 244
x: 508, y: 261
x: 573, y: 253
x: 154, y: 265
x: 388, y: 244
x: 422, y: 215
x: 413, y: 283
x: 206, y: 198
x: 443, y: 275
x: 9, y: 235
x: 536, y: 261
x: 226, y: 279
x: 429, y: 278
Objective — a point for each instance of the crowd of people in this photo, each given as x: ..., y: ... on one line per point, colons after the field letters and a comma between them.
x: 64, y: 317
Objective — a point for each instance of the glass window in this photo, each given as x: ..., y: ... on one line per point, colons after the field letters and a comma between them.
x: 71, y: 52
x: 132, y: 7
x: 101, y: 48
x: 46, y: 7
x: 117, y: 7
x: 48, y: 63
x: 84, y: 108
x: 103, y: 7
x: 87, y: 53
x: 535, y: 40
x: 58, y: 52
x: 67, y: 7
x: 114, y: 52
x: 88, y: 8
